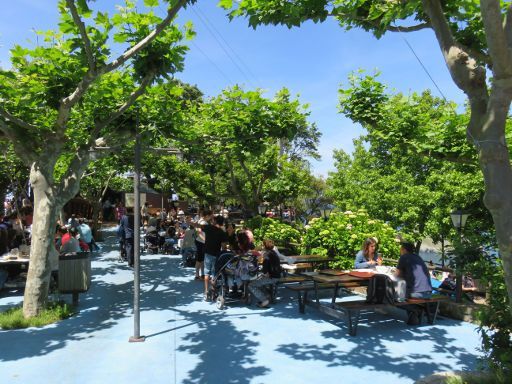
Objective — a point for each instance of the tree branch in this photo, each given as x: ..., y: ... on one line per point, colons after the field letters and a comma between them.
x: 83, y: 33
x: 234, y: 182
x: 68, y: 102
x: 496, y: 39
x: 127, y: 104
x: 70, y: 182
x: 22, y: 147
x: 464, y: 70
x: 449, y: 158
x: 412, y: 28
x: 247, y: 173
x: 17, y: 121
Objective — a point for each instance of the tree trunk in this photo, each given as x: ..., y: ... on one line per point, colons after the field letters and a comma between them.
x: 489, y: 139
x: 489, y: 113
x: 96, y: 208
x: 43, y: 228
x: 495, y: 164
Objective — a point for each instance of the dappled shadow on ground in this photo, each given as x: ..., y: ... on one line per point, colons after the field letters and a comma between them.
x: 224, y: 352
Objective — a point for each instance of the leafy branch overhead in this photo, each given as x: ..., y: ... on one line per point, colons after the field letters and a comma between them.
x: 73, y: 91
x: 64, y: 88
x: 418, y: 124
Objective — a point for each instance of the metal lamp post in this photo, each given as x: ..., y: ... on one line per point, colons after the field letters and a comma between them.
x: 459, y: 218
x: 136, y: 242
x: 136, y: 230
x: 325, y: 211
x: 262, y: 208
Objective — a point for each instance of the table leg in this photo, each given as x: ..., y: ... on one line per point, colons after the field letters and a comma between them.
x: 316, y: 292
x: 353, y: 321
x: 335, y: 294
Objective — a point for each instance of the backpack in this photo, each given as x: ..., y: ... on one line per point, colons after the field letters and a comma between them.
x: 275, y: 269
x: 381, y: 290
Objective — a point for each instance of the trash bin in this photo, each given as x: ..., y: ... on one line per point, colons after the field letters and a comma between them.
x: 74, y: 274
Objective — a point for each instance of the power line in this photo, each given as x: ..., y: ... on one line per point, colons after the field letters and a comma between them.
x: 422, y: 65
x: 244, y: 74
x: 240, y: 60
x: 213, y: 63
x: 476, y: 142
x: 222, y: 73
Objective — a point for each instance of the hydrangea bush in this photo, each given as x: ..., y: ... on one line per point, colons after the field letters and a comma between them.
x: 342, y: 236
x: 267, y: 228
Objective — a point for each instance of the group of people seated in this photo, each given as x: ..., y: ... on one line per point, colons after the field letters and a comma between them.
x: 74, y: 236
x: 411, y: 269
x: 15, y: 236
x: 163, y: 232
x: 420, y: 282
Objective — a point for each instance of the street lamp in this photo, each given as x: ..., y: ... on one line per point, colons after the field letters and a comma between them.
x: 325, y: 211
x: 459, y: 218
x: 262, y: 208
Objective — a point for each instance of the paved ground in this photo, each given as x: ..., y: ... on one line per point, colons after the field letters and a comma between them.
x: 190, y: 341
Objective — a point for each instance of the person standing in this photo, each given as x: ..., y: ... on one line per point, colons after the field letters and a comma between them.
x: 107, y: 210
x: 215, y: 240
x: 188, y: 246
x: 126, y: 231
x: 144, y: 213
x: 120, y: 211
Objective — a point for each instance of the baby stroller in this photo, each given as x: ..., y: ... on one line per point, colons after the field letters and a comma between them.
x: 231, y: 269
x: 152, y: 240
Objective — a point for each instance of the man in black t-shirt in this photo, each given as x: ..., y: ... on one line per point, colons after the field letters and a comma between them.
x: 215, y: 240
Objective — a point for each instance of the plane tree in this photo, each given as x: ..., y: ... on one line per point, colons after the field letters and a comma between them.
x: 475, y: 39
x: 60, y: 97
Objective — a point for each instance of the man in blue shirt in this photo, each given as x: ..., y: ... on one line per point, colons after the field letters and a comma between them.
x: 414, y: 271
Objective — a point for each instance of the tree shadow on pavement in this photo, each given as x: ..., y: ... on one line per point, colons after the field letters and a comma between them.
x: 223, y: 350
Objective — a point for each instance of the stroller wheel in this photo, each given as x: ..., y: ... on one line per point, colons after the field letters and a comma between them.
x: 220, y: 302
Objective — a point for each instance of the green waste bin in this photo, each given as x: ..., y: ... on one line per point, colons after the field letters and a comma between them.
x: 74, y: 273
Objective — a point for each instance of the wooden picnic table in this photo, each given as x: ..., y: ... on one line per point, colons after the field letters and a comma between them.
x: 350, y: 310
x: 300, y: 263
x: 322, y: 280
x: 14, y: 261
x: 308, y: 259
x: 338, y: 279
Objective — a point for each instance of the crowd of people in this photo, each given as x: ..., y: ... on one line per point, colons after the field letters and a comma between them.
x: 201, y: 239
x: 74, y: 236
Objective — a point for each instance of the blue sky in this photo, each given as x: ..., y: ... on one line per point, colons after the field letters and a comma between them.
x: 311, y: 61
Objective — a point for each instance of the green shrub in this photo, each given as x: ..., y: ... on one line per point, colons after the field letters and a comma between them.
x: 495, y: 319
x: 343, y: 234
x: 282, y: 233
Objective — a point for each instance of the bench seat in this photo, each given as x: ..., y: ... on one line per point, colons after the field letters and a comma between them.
x: 352, y: 309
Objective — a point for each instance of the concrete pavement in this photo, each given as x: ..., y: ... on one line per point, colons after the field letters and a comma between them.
x: 191, y: 341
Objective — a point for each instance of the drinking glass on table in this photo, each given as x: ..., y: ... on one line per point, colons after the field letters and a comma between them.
x: 379, y: 258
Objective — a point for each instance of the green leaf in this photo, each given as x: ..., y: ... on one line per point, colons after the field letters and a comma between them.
x: 151, y: 3
x: 226, y: 4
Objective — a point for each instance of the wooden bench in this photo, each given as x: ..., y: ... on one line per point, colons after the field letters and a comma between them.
x: 352, y: 309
